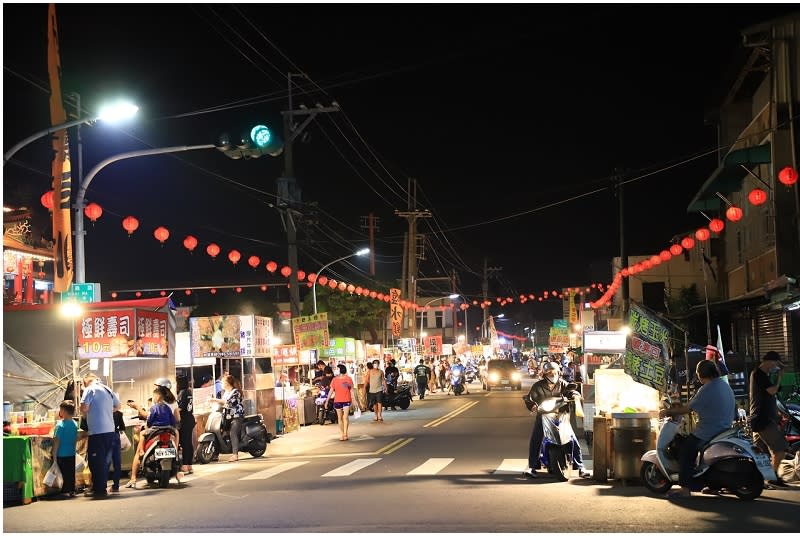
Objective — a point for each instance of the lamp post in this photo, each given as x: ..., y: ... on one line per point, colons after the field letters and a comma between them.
x: 73, y: 310
x: 483, y: 324
x: 466, y: 324
x: 114, y: 112
x: 314, y: 285
x: 80, y: 261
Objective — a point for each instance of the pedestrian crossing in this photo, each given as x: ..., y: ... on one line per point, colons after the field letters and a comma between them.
x: 429, y: 467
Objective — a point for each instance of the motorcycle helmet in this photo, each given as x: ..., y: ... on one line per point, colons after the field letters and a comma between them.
x: 163, y: 382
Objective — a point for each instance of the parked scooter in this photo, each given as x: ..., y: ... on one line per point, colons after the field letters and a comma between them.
x: 160, y: 456
x: 253, y: 437
x: 470, y: 373
x: 729, y: 461
x: 323, y: 413
x: 558, y: 437
x: 398, y: 395
x: 789, y: 422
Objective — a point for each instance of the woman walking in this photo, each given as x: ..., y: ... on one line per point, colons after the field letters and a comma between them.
x: 341, y: 393
x: 234, y: 411
x: 187, y: 422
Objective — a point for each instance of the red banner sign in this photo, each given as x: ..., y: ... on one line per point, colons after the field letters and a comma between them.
x: 285, y: 354
x: 151, y: 334
x: 122, y: 333
x: 433, y: 345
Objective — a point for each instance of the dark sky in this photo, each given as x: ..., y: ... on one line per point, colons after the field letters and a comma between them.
x: 496, y: 110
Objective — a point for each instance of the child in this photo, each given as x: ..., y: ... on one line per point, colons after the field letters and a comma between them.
x: 160, y: 415
x: 65, y: 435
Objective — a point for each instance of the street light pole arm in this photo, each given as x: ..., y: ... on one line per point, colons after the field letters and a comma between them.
x: 33, y: 137
x: 314, y: 285
x: 80, y: 262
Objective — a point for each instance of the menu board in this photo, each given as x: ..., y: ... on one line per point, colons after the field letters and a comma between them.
x: 647, y: 355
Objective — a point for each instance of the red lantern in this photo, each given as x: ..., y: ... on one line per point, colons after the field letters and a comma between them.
x: 373, y: 294
x: 114, y: 295
x: 161, y: 234
x: 342, y: 286
x: 130, y: 224
x: 787, y: 176
x: 358, y: 290
x: 323, y: 280
x: 648, y: 264
x: 93, y: 211
x: 138, y: 294
x: 734, y: 213
x: 234, y: 256
x: 47, y: 200
x: 163, y: 292
x: 213, y: 291
x: 687, y: 242
x: 350, y: 288
x: 676, y: 249
x: 312, y: 277
x: 187, y: 292
x: 264, y: 288
x: 190, y: 243
x: 716, y: 225
x: 238, y: 290
x: 757, y: 196
x: 655, y: 260
x: 382, y: 297
x: 702, y: 234
x: 625, y: 273
x: 333, y: 283
x: 253, y: 261
x: 272, y: 266
x: 213, y: 250
x: 286, y: 271
x: 301, y: 275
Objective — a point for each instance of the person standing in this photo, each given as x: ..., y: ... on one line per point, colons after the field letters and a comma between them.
x: 186, y: 423
x: 422, y: 372
x: 341, y: 393
x: 375, y: 384
x: 764, y: 410
x: 98, y: 404
x: 65, y: 436
x: 234, y: 411
x: 116, y: 450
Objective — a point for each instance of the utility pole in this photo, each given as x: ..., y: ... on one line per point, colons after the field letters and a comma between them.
x: 370, y: 223
x: 487, y: 272
x: 289, y: 194
x: 410, y: 255
x: 455, y: 315
x: 623, y: 248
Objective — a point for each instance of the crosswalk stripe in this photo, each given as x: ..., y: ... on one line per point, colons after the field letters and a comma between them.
x: 350, y: 468
x: 431, y: 467
x: 272, y: 471
x: 512, y: 466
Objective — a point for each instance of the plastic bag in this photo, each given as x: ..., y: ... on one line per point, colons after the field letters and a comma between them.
x: 124, y: 442
x: 357, y: 413
x: 80, y: 463
x: 53, y: 477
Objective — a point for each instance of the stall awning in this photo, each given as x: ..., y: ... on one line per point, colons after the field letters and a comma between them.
x: 728, y: 177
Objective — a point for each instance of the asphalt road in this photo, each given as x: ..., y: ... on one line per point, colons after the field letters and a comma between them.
x: 448, y: 464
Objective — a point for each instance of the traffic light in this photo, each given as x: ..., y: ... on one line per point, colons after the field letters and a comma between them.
x: 259, y: 141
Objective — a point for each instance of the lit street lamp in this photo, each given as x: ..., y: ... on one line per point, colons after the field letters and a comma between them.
x: 314, y: 285
x: 422, y: 313
x: 466, y: 324
x: 111, y: 113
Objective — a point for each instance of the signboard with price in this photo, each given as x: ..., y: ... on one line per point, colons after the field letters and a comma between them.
x: 647, y: 355
x: 122, y: 333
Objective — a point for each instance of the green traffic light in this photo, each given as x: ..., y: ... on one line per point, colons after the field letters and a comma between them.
x: 260, y: 135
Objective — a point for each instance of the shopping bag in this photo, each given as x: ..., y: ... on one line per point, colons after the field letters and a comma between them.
x: 80, y: 463
x: 357, y: 413
x: 124, y: 442
x: 53, y: 478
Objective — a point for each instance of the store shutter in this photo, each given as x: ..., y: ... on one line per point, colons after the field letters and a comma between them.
x: 774, y: 333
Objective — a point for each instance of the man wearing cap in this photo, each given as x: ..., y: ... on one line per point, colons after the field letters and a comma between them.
x: 764, y: 410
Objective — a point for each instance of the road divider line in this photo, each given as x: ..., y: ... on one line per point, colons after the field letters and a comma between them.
x: 512, y: 466
x: 390, y: 445
x: 398, y: 446
x: 441, y: 420
x: 272, y: 471
x: 431, y: 467
x: 350, y: 468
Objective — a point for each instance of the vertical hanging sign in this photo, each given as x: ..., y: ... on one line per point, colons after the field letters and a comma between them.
x: 395, y: 311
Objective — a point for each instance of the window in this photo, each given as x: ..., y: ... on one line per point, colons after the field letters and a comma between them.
x: 438, y: 317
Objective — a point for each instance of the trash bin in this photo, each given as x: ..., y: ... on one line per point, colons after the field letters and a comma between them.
x: 631, y: 437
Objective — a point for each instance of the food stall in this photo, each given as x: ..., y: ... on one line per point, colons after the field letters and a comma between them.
x: 242, y: 346
x: 627, y: 395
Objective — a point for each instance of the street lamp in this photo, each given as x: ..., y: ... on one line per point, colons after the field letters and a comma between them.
x: 466, y: 324
x: 314, y: 285
x: 80, y: 261
x: 117, y: 111
x: 422, y: 313
x: 483, y: 324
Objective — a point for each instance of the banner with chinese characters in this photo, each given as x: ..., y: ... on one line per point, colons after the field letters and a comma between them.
x: 395, y: 311
x: 573, y: 311
x: 559, y: 337
x: 121, y: 333
x: 311, y: 331
x: 215, y: 336
x: 432, y: 345
x: 255, y: 333
x: 647, y: 357
x: 285, y: 354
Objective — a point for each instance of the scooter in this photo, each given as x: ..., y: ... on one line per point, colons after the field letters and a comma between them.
x: 789, y: 422
x: 160, y: 456
x: 457, y: 380
x: 253, y: 437
x: 558, y: 438
x: 470, y: 374
x: 397, y: 396
x: 728, y: 461
x: 324, y: 414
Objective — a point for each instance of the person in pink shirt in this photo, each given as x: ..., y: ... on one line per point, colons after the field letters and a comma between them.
x: 341, y: 394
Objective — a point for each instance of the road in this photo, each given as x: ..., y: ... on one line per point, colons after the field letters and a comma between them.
x: 448, y: 464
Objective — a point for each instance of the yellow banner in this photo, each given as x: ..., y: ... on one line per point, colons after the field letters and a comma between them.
x: 395, y: 311
x: 311, y: 331
x: 61, y: 171
x: 573, y: 311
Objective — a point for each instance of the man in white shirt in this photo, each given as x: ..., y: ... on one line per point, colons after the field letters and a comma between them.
x: 98, y: 404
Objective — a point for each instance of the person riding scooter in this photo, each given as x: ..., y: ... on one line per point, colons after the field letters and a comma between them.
x: 548, y: 387
x: 160, y: 417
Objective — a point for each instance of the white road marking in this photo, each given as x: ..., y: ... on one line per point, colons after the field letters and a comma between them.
x: 431, y: 467
x: 208, y: 470
x: 511, y: 466
x: 350, y: 468
x: 272, y: 471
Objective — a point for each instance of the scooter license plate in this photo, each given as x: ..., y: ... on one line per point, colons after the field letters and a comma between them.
x: 764, y: 464
x: 165, y: 453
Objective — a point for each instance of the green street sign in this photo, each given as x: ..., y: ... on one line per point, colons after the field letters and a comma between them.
x: 82, y: 293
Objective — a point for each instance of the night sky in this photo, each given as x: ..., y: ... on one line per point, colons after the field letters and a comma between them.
x: 495, y: 110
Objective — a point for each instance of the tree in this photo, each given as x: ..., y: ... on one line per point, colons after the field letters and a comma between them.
x: 350, y: 315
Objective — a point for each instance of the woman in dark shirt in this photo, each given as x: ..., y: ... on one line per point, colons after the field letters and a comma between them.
x: 187, y: 423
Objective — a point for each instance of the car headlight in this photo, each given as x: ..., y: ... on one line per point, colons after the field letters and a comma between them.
x: 494, y: 377
x: 516, y: 376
